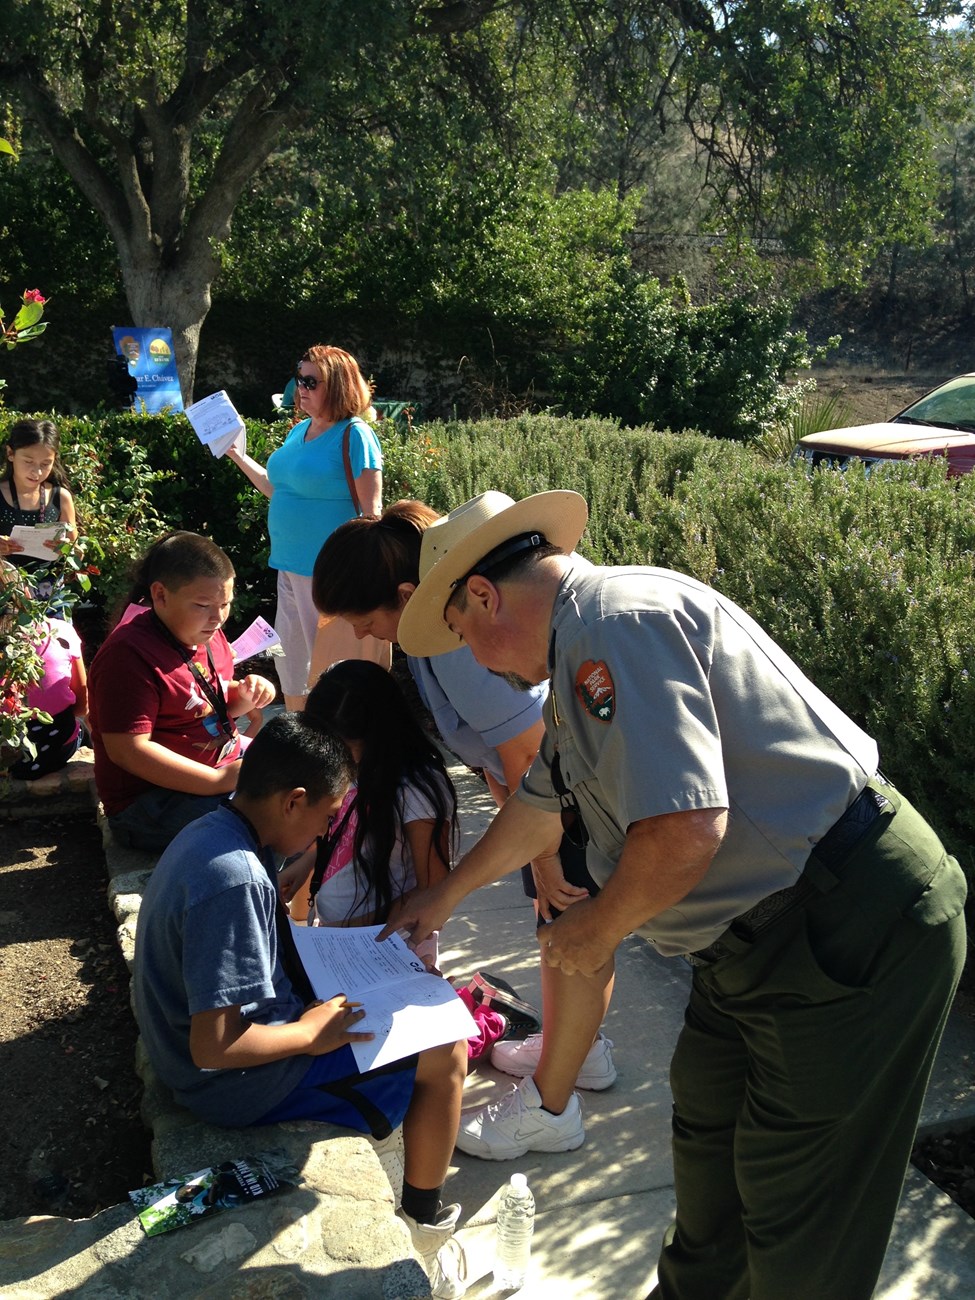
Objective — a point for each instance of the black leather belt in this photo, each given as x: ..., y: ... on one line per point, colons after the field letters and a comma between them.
x: 832, y: 852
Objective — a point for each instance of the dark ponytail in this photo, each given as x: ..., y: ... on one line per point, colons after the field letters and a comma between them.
x: 362, y: 564
x: 359, y: 701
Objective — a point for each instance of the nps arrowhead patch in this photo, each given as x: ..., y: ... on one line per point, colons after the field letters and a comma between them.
x: 595, y: 689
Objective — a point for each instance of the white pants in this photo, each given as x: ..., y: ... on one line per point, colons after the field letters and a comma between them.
x: 313, y: 642
x: 296, y: 623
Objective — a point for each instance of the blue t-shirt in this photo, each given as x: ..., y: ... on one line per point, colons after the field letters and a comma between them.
x: 474, y: 709
x: 311, y: 493
x: 206, y: 939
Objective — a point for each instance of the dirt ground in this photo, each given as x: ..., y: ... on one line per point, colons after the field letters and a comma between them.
x: 70, y: 1131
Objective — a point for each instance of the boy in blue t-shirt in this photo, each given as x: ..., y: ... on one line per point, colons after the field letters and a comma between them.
x: 224, y: 1006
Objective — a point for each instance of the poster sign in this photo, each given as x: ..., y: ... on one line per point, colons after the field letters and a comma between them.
x: 152, y: 364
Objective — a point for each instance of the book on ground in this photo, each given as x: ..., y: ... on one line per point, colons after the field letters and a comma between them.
x: 217, y: 423
x: 407, y: 1007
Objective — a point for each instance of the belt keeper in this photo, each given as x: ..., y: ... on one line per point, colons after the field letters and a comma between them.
x: 819, y: 875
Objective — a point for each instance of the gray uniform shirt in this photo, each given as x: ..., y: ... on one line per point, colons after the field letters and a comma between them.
x: 667, y: 697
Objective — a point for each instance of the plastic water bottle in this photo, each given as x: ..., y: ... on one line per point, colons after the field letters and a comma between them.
x: 516, y: 1223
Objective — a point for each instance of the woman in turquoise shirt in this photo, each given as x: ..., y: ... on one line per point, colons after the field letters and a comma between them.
x: 306, y: 484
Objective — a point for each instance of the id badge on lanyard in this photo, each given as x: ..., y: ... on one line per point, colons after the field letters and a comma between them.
x: 212, y: 691
x: 214, y: 694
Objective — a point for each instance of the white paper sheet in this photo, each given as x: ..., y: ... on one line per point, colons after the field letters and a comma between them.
x: 33, y: 536
x: 407, y: 1008
x: 217, y: 423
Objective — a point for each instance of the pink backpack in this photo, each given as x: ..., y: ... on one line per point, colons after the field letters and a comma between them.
x: 491, y: 1025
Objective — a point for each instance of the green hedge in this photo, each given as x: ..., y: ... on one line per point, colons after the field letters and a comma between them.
x: 866, y: 581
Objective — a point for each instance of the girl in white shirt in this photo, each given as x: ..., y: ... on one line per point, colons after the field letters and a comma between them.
x: 395, y: 831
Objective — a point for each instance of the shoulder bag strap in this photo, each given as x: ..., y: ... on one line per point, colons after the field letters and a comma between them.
x: 347, y: 462
x: 326, y: 847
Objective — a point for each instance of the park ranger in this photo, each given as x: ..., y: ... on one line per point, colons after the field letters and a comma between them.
x: 735, y: 817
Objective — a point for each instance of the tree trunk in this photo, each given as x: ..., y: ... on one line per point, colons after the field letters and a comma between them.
x: 178, y: 297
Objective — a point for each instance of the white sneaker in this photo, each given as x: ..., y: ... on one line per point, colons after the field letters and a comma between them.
x: 442, y: 1254
x: 521, y: 1059
x: 518, y: 1123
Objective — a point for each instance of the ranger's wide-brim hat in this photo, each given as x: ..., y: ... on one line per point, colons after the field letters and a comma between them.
x: 455, y: 544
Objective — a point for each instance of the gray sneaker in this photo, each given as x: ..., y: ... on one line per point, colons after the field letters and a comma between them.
x: 518, y: 1123
x: 521, y: 1059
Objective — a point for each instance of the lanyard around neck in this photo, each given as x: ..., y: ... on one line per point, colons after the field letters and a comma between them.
x: 16, y: 504
x: 213, y: 690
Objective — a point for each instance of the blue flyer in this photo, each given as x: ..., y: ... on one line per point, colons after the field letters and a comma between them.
x: 152, y: 364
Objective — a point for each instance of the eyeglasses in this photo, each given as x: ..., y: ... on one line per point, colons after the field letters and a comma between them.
x: 308, y: 382
x: 570, y: 814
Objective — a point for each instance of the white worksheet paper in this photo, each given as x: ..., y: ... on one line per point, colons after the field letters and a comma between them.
x: 32, y: 538
x: 407, y: 1008
x: 217, y: 423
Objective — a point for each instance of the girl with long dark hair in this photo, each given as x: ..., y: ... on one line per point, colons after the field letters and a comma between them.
x: 395, y: 830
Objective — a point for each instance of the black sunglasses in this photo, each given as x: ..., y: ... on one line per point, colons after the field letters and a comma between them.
x: 570, y: 814
x: 308, y: 382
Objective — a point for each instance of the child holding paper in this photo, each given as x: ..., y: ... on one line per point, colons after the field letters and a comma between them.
x: 224, y: 1006
x: 34, y: 492
x: 163, y: 702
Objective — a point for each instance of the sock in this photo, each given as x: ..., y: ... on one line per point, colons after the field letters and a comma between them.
x: 420, y: 1203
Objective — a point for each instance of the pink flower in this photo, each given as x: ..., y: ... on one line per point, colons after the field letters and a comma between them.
x: 34, y: 295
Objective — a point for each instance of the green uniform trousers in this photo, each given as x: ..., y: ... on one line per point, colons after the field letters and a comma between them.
x: 800, y: 1071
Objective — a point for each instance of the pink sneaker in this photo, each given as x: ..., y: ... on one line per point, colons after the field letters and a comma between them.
x: 521, y: 1059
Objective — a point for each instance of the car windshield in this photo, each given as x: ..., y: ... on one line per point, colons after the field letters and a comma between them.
x: 952, y: 406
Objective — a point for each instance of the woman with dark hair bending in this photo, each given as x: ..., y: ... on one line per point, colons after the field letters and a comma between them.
x: 395, y: 830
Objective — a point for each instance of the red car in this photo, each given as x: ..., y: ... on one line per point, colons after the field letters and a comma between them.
x: 942, y: 423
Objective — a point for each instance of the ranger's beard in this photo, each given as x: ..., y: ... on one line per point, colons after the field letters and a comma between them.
x: 514, y: 679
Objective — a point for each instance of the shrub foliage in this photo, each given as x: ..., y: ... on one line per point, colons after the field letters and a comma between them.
x: 135, y: 476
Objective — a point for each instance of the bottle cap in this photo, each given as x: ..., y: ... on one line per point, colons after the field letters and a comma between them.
x: 519, y: 1182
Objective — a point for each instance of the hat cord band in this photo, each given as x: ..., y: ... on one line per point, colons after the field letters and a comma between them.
x: 505, y: 551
